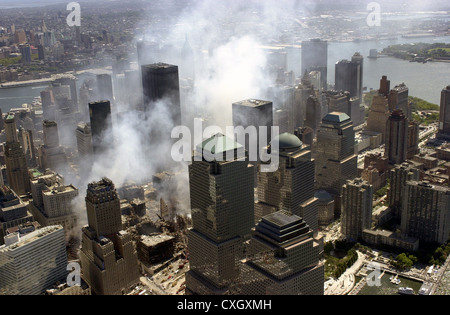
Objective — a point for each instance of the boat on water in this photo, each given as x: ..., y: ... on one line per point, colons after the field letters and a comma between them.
x: 395, y: 279
x: 406, y: 291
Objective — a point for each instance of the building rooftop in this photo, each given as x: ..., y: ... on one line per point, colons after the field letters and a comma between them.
x: 288, y: 141
x: 30, y: 237
x: 336, y: 117
x: 218, y: 144
x: 252, y: 103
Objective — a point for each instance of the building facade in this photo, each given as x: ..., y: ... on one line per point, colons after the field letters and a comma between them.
x: 108, y: 257
x: 222, y: 214
x: 282, y: 259
x: 31, y: 264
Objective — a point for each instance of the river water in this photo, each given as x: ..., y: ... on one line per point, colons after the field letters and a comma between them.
x: 423, y: 80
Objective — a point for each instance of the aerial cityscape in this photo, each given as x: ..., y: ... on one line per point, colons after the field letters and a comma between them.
x: 216, y: 148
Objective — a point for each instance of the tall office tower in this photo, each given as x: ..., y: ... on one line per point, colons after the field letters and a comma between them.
x: 105, y: 87
x: 86, y: 95
x: 26, y: 138
x: 72, y: 83
x: 282, y: 97
x: 357, y: 204
x: 108, y: 257
x: 398, y: 99
x: 302, y: 92
x: 160, y: 82
x: 101, y: 126
x: 282, y: 259
x: 413, y: 139
x: 349, y: 76
x: 398, y: 176
x: 25, y: 50
x: 335, y: 159
x: 253, y: 113
x: 315, y: 58
x: 444, y: 116
x: 41, y: 52
x: 84, y: 140
x: 33, y: 263
x: 48, y: 104
x: 378, y: 116
x: 312, y: 114
x: 51, y: 154
x: 426, y: 212
x: 396, y: 137
x: 16, y: 164
x: 385, y: 86
x: 13, y: 211
x: 291, y: 187
x: 339, y: 101
x: 52, y: 200
x: 280, y: 119
x: 222, y: 214
x: 20, y: 37
x: 187, y: 68
x: 315, y: 80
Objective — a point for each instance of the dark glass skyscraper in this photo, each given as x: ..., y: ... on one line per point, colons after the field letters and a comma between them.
x: 160, y: 82
x: 101, y: 122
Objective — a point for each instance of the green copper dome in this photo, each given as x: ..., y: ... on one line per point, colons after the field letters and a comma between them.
x: 288, y: 141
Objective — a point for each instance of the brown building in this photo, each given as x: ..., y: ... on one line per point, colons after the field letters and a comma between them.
x: 108, y: 256
x: 291, y: 187
x: 396, y: 137
x: 444, y: 116
x: 335, y: 159
x: 16, y: 164
x: 357, y: 201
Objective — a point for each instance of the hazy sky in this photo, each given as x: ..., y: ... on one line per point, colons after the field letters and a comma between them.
x: 410, y: 5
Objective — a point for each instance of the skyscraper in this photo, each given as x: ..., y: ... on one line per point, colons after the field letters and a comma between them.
x: 378, y: 116
x: 398, y: 176
x: 335, y: 158
x: 444, y: 116
x: 33, y: 263
x: 397, y: 137
x: 160, y: 82
x: 253, y: 113
x: 53, y: 200
x: 108, y: 257
x: 282, y: 259
x: 51, y: 154
x: 291, y: 187
x: 312, y: 114
x: 16, y: 164
x: 25, y: 50
x: 357, y: 204
x: 426, y: 212
x: 222, y: 214
x: 84, y: 140
x: 349, y: 76
x: 315, y: 58
x: 101, y: 126
x: 398, y: 99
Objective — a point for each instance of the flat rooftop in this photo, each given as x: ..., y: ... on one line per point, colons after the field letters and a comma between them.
x: 252, y: 103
